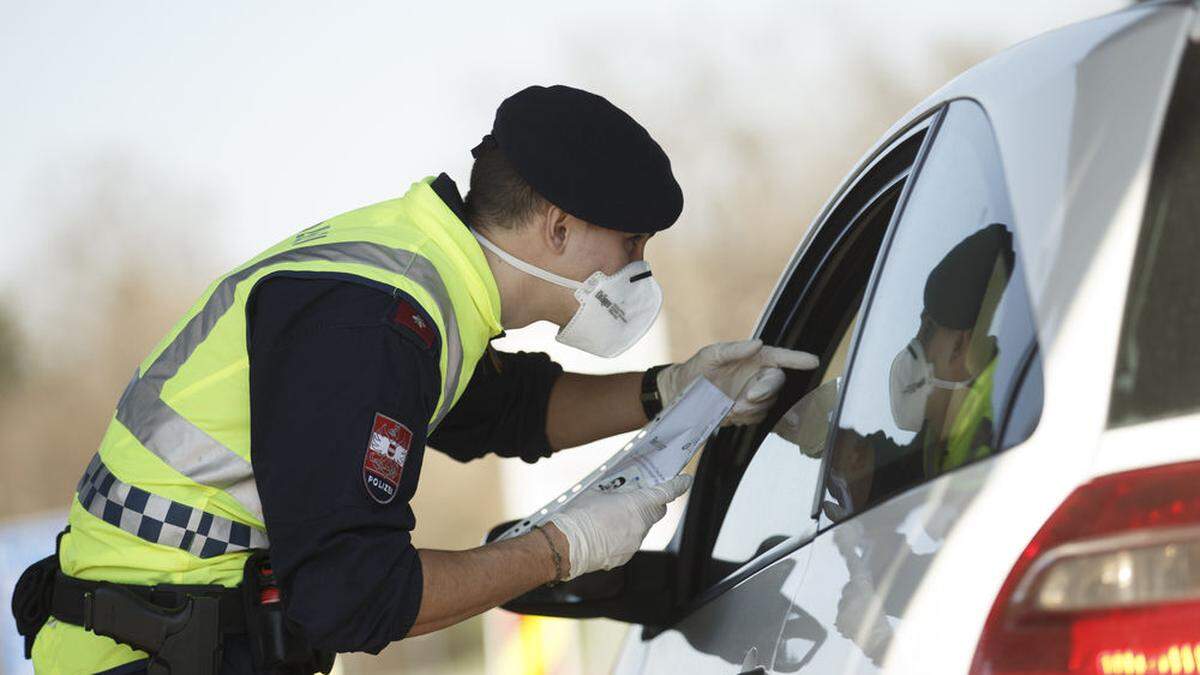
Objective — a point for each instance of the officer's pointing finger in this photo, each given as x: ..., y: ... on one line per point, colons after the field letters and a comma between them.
x: 788, y: 358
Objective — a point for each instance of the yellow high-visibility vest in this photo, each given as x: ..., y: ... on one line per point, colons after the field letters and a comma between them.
x: 170, y: 495
x: 962, y: 443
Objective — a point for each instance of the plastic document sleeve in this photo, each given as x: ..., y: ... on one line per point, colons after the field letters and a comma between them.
x: 658, y: 452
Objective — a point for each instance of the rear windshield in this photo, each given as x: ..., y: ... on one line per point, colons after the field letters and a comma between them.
x: 1158, y: 364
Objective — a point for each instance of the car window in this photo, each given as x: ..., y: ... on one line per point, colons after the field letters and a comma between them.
x: 776, y: 492
x: 948, y: 335
x: 1158, y: 366
x: 755, y: 486
x: 773, y: 500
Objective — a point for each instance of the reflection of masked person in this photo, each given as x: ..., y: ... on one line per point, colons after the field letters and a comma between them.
x: 940, y: 382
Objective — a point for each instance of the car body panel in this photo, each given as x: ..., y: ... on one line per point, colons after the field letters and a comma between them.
x: 1076, y: 114
x: 740, y: 628
x: 1165, y: 441
x: 1092, y: 212
x: 864, y: 572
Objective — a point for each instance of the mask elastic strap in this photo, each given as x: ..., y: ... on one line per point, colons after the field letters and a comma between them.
x: 918, y: 351
x: 525, y: 267
x: 948, y: 384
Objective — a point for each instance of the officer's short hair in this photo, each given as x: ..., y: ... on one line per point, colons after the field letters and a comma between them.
x: 498, y: 196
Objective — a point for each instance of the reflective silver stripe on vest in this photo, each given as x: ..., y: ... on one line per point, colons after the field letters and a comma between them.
x: 423, y: 272
x: 192, y: 452
x: 160, y: 520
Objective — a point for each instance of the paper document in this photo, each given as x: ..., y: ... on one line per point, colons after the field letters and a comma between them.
x: 658, y: 452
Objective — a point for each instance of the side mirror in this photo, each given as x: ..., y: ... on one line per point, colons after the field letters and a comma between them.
x: 637, y: 592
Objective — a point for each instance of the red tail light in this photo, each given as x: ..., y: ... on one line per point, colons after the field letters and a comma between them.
x: 1109, y: 585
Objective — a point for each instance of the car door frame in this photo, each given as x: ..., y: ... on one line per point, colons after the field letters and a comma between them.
x: 823, y: 247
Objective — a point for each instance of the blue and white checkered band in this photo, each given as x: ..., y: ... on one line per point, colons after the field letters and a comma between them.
x: 160, y: 520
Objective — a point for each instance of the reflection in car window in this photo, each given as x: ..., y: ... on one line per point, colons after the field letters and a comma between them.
x: 771, y: 478
x: 776, y: 490
x: 775, y: 494
x: 948, y: 329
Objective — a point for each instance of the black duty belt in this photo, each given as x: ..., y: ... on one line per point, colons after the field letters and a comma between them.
x: 75, y: 601
x: 181, y: 627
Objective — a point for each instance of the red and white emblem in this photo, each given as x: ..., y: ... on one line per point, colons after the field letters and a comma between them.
x: 384, y: 461
x: 408, y: 316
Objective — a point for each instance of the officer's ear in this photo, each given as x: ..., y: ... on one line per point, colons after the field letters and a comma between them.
x: 555, y: 228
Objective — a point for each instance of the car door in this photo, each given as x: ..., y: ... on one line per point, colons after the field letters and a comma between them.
x: 742, y: 542
x: 944, y: 374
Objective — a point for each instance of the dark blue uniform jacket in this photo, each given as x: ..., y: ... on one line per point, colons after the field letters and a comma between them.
x: 328, y: 356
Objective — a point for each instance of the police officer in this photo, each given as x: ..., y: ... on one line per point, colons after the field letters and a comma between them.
x: 289, y: 411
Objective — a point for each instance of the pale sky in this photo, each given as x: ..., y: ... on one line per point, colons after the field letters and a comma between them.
x: 252, y: 120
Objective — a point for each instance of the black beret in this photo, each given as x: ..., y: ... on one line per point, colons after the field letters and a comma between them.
x: 588, y: 158
x: 955, y: 289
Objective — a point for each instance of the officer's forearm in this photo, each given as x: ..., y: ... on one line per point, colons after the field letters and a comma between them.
x: 460, y: 584
x: 585, y: 408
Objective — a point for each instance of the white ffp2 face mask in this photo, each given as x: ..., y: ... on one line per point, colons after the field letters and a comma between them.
x: 614, y: 311
x: 911, y: 383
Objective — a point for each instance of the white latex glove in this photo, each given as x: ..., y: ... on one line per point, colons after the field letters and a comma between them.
x: 746, y: 371
x: 807, y: 422
x: 605, y: 529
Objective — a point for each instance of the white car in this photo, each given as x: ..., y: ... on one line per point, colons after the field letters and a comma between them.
x: 997, y: 468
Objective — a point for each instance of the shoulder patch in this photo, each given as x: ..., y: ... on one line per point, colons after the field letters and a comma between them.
x: 408, y: 315
x: 386, y: 452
